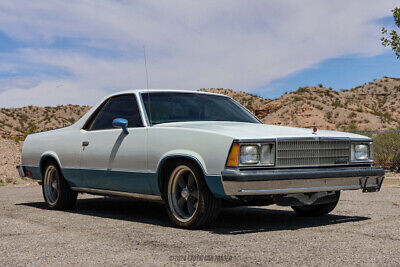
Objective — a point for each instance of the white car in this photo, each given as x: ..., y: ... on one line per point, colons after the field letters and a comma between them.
x: 196, y: 151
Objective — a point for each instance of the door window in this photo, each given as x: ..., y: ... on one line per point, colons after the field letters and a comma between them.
x: 124, y: 106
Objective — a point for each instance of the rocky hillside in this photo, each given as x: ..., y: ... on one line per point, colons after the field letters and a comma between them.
x: 16, y: 123
x: 372, y: 106
x: 10, y: 156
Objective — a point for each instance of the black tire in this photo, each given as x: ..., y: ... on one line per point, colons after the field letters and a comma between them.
x: 206, y: 205
x: 56, y: 192
x: 316, y: 210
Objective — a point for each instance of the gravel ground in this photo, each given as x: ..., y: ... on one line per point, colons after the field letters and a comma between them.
x: 362, y: 230
x: 10, y: 156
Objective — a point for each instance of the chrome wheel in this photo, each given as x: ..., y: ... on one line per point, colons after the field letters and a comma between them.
x: 51, y: 185
x: 183, y: 193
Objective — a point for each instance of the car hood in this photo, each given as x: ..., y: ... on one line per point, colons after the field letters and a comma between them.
x: 240, y: 130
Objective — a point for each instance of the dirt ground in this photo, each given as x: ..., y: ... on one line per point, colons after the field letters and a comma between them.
x: 362, y: 230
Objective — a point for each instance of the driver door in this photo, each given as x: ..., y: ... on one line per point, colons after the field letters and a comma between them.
x: 111, y: 159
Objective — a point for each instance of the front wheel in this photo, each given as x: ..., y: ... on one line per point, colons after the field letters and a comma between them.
x: 317, y: 210
x: 190, y: 204
x: 56, y: 192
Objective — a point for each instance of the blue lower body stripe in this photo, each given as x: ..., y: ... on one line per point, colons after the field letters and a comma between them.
x: 122, y: 181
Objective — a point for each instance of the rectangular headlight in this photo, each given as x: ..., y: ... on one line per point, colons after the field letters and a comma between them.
x: 249, y: 154
x: 361, y: 152
x: 267, y: 154
x: 257, y: 154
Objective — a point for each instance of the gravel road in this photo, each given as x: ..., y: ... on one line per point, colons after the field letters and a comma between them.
x: 363, y: 229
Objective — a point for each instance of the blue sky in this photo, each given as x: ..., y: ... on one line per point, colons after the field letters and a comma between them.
x: 337, y: 73
x: 76, y: 52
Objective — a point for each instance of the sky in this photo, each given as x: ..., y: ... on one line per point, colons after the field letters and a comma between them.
x: 76, y: 52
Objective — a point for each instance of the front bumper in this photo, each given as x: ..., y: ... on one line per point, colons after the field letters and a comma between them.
x: 287, y: 181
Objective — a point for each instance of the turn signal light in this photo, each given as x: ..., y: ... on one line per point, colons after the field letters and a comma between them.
x: 233, y: 159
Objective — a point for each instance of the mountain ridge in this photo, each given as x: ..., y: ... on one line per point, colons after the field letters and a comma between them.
x: 373, y: 106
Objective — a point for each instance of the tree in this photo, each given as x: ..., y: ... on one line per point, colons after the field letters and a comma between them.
x: 392, y: 39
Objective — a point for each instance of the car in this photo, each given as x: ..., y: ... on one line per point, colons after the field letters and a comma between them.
x: 196, y: 152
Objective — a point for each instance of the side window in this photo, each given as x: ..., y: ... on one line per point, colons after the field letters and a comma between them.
x: 124, y: 106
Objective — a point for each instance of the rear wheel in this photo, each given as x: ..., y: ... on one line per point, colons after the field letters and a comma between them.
x: 190, y: 204
x: 56, y: 192
x: 317, y: 210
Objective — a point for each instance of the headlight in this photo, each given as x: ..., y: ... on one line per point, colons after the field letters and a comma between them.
x: 267, y: 154
x: 257, y: 154
x: 361, y: 152
x: 249, y: 154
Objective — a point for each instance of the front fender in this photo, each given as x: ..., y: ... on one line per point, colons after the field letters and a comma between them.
x: 214, y: 182
x: 185, y: 154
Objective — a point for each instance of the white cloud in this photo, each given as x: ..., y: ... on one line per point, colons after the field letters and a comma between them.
x: 190, y: 44
x: 51, y: 93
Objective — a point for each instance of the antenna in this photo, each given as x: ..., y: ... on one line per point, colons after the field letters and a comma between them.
x: 147, y: 82
x: 145, y: 66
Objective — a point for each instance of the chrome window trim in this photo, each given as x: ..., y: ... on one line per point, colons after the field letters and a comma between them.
x: 145, y: 115
x: 245, y: 110
x: 100, y: 107
x: 143, y: 110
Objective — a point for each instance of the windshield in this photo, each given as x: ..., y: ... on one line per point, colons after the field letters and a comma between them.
x: 177, y: 107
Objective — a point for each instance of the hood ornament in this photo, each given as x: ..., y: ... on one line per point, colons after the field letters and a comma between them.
x: 315, y: 130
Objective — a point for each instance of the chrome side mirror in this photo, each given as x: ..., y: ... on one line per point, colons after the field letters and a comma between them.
x: 121, y: 123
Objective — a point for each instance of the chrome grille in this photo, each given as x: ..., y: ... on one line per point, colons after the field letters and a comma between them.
x: 312, y: 152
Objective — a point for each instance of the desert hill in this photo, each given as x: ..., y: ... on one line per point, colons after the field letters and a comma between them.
x: 372, y: 106
x: 16, y: 123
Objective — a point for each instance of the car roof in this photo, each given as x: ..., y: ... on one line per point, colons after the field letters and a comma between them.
x: 136, y: 91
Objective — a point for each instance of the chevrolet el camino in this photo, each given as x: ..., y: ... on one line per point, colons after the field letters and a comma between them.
x: 196, y: 152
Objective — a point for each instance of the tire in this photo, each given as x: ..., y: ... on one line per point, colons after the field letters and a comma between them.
x: 56, y: 192
x: 317, y: 210
x: 188, y: 201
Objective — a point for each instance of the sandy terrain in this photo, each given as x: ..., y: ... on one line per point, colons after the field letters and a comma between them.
x: 363, y: 230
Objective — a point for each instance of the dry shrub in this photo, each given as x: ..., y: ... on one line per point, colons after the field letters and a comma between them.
x: 387, y: 150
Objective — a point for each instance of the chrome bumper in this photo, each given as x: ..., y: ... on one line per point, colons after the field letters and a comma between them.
x: 288, y: 181
x: 21, y: 170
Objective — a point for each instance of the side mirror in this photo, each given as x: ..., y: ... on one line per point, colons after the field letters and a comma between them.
x: 121, y: 123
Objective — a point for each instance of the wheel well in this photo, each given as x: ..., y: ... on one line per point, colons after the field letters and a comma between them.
x: 44, y: 161
x: 166, y: 168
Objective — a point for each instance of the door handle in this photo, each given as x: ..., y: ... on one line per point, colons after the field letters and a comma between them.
x: 85, y: 143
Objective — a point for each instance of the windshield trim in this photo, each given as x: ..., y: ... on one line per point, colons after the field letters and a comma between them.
x: 150, y: 124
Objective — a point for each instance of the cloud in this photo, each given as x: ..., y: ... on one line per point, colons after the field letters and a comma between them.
x: 51, y: 93
x: 95, y: 47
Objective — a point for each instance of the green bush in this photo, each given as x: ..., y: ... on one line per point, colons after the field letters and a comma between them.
x: 387, y: 150
x: 302, y: 90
